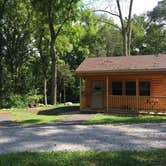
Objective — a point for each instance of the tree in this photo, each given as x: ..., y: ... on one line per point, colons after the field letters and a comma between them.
x: 16, y: 36
x: 126, y: 25
x: 65, y: 78
x: 147, y: 37
x: 108, y: 39
x: 156, y: 30
x: 57, y: 13
x: 41, y: 37
x: 158, y: 14
x: 2, y: 9
x: 155, y: 40
x: 139, y: 31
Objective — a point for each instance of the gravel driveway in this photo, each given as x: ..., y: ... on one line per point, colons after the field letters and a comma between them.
x: 77, y: 137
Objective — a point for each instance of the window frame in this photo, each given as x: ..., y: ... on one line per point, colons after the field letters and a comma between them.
x: 115, y: 81
x: 127, y: 81
x: 147, y: 90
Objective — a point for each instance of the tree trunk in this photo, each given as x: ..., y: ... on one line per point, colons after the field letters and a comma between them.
x: 54, y: 75
x: 1, y: 77
x: 45, y: 90
x: 54, y: 34
x: 1, y: 67
x: 129, y: 28
x: 129, y: 38
x: 60, y: 90
x: 64, y: 93
x: 125, y: 43
x: 126, y: 28
x: 60, y: 97
x: 52, y: 54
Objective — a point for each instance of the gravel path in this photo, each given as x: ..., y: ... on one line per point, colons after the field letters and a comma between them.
x: 77, y: 137
x: 5, y: 117
x: 6, y: 120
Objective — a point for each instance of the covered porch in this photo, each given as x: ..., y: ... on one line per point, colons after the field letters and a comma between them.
x: 127, y: 93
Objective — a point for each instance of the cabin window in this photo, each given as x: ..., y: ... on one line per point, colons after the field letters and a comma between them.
x: 116, y: 88
x: 131, y: 88
x: 144, y: 88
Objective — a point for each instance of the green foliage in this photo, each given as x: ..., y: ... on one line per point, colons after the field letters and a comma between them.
x: 33, y: 98
x: 138, y: 42
x: 159, y: 12
x: 65, y: 80
x: 147, y: 37
x: 16, y: 101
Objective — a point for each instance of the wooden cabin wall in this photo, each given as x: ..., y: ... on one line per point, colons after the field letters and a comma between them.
x: 158, y: 85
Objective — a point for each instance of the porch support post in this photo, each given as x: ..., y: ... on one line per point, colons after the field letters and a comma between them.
x: 107, y: 93
x: 165, y: 103
x: 137, y: 94
x: 80, y: 93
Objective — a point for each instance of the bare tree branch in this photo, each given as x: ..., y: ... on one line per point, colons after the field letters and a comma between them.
x: 66, y: 19
x: 120, y: 13
x: 130, y: 12
x: 112, y: 24
x: 105, y: 11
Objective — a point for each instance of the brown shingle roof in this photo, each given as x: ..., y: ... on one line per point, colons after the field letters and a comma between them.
x: 123, y: 64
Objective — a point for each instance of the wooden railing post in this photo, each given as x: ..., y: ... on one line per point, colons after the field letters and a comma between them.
x: 107, y: 93
x: 137, y: 95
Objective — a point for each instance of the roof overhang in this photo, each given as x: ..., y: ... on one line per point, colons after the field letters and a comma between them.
x: 117, y: 72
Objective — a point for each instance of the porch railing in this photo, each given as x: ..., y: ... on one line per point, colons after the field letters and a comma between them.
x: 137, y: 103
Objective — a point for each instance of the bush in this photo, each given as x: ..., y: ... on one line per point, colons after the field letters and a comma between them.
x: 16, y: 101
x: 33, y: 100
x: 21, y: 101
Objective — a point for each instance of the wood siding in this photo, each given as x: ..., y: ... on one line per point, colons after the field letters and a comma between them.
x: 157, y: 80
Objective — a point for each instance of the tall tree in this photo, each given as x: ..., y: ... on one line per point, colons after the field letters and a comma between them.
x: 139, y: 32
x: 2, y: 9
x: 158, y: 14
x: 126, y: 25
x: 16, y: 34
x: 57, y: 13
x: 41, y: 38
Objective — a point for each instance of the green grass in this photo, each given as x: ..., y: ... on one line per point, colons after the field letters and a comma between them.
x: 41, y: 115
x: 87, y: 158
x: 108, y: 119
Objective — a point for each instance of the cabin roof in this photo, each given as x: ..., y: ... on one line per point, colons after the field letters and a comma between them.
x: 139, y: 63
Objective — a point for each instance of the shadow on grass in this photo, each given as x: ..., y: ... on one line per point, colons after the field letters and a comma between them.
x: 60, y: 110
x: 87, y: 158
x: 31, y: 121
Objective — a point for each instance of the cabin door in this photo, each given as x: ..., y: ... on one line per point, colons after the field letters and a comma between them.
x: 97, y: 94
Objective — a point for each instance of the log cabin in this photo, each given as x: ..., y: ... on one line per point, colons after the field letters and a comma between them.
x: 123, y: 84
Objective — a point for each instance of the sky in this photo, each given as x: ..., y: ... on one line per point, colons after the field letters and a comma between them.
x: 139, y: 6
x: 142, y: 6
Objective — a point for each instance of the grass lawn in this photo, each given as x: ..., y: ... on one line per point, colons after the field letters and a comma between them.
x: 87, y: 158
x: 109, y: 119
x: 41, y: 115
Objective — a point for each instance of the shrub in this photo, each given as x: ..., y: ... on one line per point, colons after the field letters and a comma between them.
x: 16, y: 101
x: 33, y: 100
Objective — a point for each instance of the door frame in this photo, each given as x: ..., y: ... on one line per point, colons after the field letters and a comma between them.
x: 91, y: 92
